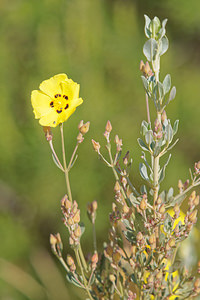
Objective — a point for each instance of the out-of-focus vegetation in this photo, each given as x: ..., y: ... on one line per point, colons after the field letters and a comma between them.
x: 99, y: 45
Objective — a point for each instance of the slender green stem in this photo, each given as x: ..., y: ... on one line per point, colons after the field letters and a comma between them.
x: 82, y: 258
x: 114, y: 171
x: 82, y: 272
x: 147, y: 106
x: 65, y: 164
x: 94, y: 236
x: 55, y: 155
x: 72, y: 157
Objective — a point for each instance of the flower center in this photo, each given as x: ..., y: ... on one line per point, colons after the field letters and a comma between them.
x: 60, y: 103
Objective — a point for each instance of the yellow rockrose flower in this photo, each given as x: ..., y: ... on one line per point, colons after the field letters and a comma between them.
x: 56, y: 99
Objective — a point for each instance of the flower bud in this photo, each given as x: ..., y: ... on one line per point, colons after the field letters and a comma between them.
x: 180, y: 185
x: 162, y: 209
x: 70, y: 260
x: 48, y: 133
x: 94, y: 258
x: 143, y: 204
x: 192, y: 217
x: 53, y: 240
x: 76, y: 217
x: 108, y: 126
x: 80, y: 138
x: 96, y: 146
x: 176, y: 210
x: 84, y: 128
x: 126, y: 158
x: 80, y: 124
x: 117, y: 187
x: 77, y: 232
x: 163, y: 116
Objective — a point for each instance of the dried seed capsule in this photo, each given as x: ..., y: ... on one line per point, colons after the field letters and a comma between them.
x: 70, y: 260
x: 112, y: 277
x: 84, y: 128
x: 53, y: 240
x: 139, y: 236
x: 143, y: 204
x: 96, y: 146
x: 162, y: 209
x: 77, y: 232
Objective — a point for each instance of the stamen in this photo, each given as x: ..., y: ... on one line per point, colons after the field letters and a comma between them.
x: 59, y: 111
x: 66, y: 97
x: 51, y: 104
x: 56, y: 96
x: 67, y: 106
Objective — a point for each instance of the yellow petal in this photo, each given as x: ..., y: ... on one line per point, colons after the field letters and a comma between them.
x: 70, y: 89
x: 52, y: 86
x: 40, y: 103
x: 51, y: 119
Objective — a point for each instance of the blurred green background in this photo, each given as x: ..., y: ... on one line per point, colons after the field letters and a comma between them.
x: 98, y: 43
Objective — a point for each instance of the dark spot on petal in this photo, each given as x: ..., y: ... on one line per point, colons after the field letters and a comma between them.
x: 51, y: 104
x: 66, y: 97
x: 67, y: 106
x: 59, y: 111
x: 56, y: 96
x: 59, y: 95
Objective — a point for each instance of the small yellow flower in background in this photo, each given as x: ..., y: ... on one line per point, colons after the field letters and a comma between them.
x: 56, y: 100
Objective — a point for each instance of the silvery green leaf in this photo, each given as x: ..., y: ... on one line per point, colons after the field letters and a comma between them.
x: 160, y: 90
x: 168, y: 133
x: 82, y: 225
x: 157, y: 151
x: 143, y: 189
x: 167, y: 83
x: 167, y: 223
x: 149, y: 137
x: 162, y: 172
x: 173, y: 145
x: 144, y: 127
x: 175, y: 127
x: 150, y: 49
x: 145, y: 83
x: 155, y: 26
x: 164, y: 45
x: 71, y: 279
x: 142, y: 145
x: 146, y: 27
x: 170, y: 192
x: 56, y: 162
x: 133, y: 200
x: 143, y: 171
x: 172, y: 94
x: 152, y: 145
x: 164, y: 22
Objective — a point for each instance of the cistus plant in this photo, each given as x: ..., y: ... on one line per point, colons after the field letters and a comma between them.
x: 147, y: 226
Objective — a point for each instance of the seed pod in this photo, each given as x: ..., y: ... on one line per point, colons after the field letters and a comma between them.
x: 77, y: 232
x: 143, y: 204
x: 76, y: 217
x: 84, y: 128
x: 70, y: 260
x: 196, y: 200
x: 53, y: 240
x: 192, y: 217
x: 96, y: 146
x: 108, y: 126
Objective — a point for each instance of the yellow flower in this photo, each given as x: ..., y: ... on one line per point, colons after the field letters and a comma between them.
x: 56, y: 100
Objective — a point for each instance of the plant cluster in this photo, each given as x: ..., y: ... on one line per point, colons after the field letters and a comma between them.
x: 139, y: 259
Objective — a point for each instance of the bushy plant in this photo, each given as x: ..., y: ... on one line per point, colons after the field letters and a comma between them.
x: 139, y: 259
